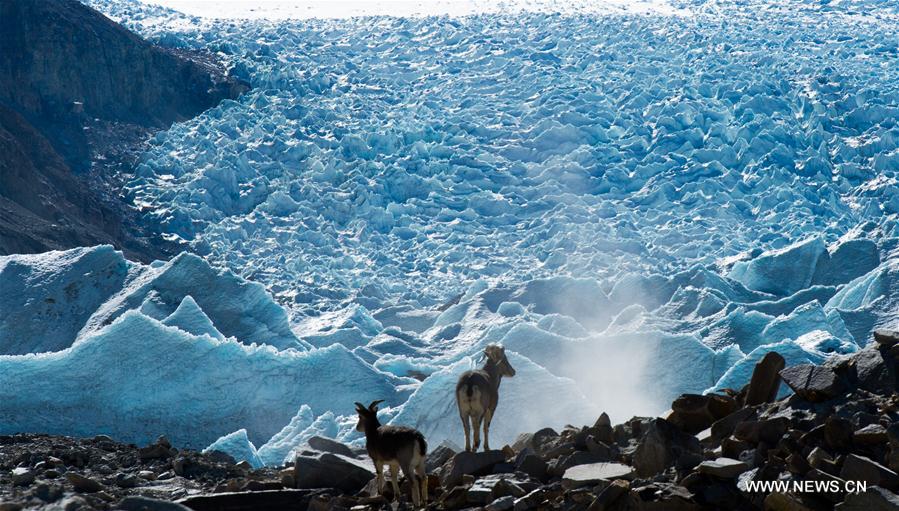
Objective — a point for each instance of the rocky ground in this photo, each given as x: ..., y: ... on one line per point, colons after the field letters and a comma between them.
x: 840, y: 424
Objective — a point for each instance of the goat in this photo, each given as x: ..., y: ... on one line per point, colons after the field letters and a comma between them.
x: 397, y: 446
x: 477, y: 394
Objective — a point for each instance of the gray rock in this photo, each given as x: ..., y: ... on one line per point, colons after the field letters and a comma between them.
x: 875, y: 499
x: 813, y: 383
x: 472, y: 463
x: 528, y: 462
x: 765, y: 380
x: 328, y: 445
x: 502, y: 504
x: 558, y: 466
x: 22, y: 476
x: 725, y: 468
x: 610, y: 495
x: 126, y: 480
x: 596, y: 473
x: 540, y: 441
x: 70, y: 503
x: 860, y: 468
x: 663, y: 445
x: 481, y: 492
x: 531, y: 500
x: 602, y: 429
x: 724, y: 427
x: 838, y: 432
x: 818, y: 457
x: 83, y: 484
x: 693, y: 413
x: 667, y: 496
x: 282, y: 500
x: 155, y: 451
x: 886, y: 338
x: 329, y: 470
x: 872, y: 434
x: 138, y: 503
x: 438, y: 457
x: 873, y: 371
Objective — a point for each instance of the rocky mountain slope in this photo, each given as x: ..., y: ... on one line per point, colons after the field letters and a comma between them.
x: 77, y: 90
x: 838, y: 434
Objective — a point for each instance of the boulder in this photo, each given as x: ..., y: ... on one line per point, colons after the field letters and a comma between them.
x: 138, y: 503
x: 861, y: 468
x: 531, y: 500
x: 663, y: 445
x: 873, y: 372
x: 874, y: 499
x: 455, y: 498
x: 813, y: 383
x: 528, y: 462
x: 329, y: 445
x: 602, y: 429
x: 724, y: 427
x: 83, y: 484
x: 22, y: 476
x: 155, y: 451
x: 765, y: 380
x: 872, y: 434
x: 472, y: 463
x: 601, y: 449
x: 489, y: 488
x: 541, y: 441
x: 886, y: 338
x: 609, y: 495
x: 329, y: 470
x: 838, y: 433
x: 661, y: 496
x: 438, y: 457
x: 724, y: 468
x: 693, y: 413
x: 819, y: 457
x: 559, y: 465
x: 270, y: 500
x: 501, y: 504
x: 595, y: 473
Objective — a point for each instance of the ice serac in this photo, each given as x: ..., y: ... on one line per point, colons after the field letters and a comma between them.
x: 781, y: 272
x: 236, y: 307
x: 158, y: 379
x: 870, y: 301
x: 238, y: 446
x: 279, y: 446
x: 191, y: 318
x: 46, y: 299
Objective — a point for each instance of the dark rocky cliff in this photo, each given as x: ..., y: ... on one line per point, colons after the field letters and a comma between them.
x: 74, y: 87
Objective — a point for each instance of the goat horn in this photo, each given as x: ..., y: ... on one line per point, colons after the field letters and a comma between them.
x: 359, y: 406
x: 374, y: 404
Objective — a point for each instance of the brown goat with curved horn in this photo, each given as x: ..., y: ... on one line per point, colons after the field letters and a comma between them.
x: 397, y: 446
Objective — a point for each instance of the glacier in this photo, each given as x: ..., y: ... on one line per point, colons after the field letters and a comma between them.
x: 635, y: 205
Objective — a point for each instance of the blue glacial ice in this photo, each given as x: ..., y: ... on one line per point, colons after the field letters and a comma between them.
x: 635, y: 205
x: 239, y: 446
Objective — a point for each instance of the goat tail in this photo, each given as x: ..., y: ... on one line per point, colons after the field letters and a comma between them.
x: 469, y: 390
x: 422, y: 445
